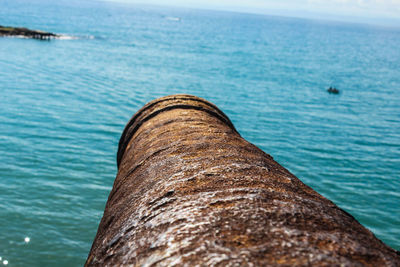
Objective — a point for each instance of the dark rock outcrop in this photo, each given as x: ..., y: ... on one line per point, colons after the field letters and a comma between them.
x: 191, y: 191
x: 24, y: 32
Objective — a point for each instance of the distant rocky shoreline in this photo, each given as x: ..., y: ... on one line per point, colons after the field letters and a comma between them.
x: 6, y: 31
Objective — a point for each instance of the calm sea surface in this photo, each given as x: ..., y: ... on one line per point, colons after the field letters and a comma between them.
x: 64, y: 104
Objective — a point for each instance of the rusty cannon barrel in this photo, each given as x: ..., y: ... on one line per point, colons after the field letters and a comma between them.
x: 191, y: 191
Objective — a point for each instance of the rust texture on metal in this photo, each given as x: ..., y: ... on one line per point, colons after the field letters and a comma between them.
x: 191, y: 191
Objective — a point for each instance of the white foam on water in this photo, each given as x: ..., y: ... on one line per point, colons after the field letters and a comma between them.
x: 66, y: 37
x: 71, y: 37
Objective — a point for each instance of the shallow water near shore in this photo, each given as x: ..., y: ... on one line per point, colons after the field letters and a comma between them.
x: 64, y: 104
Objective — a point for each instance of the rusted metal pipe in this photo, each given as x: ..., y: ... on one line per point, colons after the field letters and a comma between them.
x: 191, y: 191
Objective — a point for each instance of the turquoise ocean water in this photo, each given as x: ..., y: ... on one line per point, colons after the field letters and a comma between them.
x: 64, y: 104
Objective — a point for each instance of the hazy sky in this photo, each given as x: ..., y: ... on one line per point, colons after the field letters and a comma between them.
x: 383, y: 9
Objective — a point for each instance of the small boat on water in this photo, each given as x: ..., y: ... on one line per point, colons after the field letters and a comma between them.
x: 173, y: 18
x: 333, y: 90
